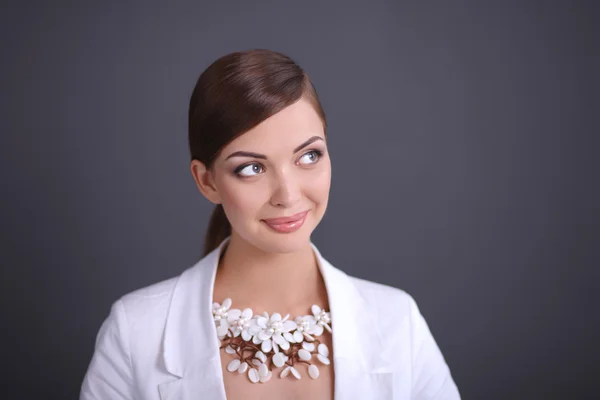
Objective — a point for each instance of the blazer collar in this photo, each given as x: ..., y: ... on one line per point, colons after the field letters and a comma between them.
x: 191, y: 347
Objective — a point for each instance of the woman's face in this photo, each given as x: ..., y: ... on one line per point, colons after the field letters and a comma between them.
x: 278, y: 169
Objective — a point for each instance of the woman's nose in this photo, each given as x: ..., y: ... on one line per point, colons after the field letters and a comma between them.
x: 286, y: 191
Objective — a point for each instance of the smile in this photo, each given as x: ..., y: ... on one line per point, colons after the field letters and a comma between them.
x: 287, y: 224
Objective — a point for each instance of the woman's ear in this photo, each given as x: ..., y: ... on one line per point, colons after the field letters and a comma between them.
x: 205, y: 182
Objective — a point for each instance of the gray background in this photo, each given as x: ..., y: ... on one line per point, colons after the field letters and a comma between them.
x: 464, y: 171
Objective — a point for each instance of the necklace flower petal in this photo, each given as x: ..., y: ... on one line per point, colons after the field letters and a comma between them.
x: 262, y: 342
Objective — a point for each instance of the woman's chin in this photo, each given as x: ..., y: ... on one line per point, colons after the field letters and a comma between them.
x: 286, y: 244
x: 275, y: 242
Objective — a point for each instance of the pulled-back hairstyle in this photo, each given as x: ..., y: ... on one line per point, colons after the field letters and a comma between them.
x: 233, y: 95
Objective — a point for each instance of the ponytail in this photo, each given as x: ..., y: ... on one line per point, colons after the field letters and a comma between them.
x: 218, y: 229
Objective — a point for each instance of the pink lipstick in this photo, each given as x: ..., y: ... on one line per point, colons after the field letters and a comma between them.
x: 286, y: 224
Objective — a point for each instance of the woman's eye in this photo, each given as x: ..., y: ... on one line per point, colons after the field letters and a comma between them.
x: 311, y: 157
x: 249, y: 170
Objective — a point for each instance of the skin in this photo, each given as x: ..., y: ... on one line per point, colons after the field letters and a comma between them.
x: 262, y: 269
x: 287, y: 182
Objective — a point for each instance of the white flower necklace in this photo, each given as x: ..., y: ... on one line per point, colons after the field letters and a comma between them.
x: 259, y: 342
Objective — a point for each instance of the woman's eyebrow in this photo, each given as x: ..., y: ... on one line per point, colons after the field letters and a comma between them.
x: 309, y: 141
x: 246, y: 154
x: 263, y: 157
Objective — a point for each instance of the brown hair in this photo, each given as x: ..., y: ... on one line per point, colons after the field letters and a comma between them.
x: 233, y: 95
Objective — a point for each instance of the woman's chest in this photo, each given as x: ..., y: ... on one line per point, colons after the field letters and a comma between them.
x: 305, y: 388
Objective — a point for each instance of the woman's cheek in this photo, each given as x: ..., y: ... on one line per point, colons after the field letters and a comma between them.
x: 245, y: 200
x: 321, y: 182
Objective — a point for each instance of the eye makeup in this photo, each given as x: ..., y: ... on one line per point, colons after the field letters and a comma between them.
x: 317, y: 152
x: 237, y: 171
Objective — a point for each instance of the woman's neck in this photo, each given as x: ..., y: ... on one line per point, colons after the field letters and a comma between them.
x: 282, y: 282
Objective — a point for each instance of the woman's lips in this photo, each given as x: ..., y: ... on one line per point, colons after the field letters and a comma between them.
x: 286, y: 224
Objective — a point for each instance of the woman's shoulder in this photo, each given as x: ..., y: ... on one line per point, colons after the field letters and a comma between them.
x: 384, y: 297
x: 159, y: 296
x: 156, y: 297
x: 153, y: 292
x: 138, y: 318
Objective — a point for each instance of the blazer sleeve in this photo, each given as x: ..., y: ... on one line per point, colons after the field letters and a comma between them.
x: 431, y: 378
x: 109, y: 375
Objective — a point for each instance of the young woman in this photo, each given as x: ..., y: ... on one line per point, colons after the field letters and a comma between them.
x: 263, y: 315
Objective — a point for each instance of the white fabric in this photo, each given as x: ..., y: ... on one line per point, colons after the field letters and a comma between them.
x: 160, y: 342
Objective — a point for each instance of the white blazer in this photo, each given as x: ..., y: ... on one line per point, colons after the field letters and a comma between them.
x: 160, y: 342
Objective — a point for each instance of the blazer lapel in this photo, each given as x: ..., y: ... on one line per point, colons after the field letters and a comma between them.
x: 190, y: 344
x: 363, y: 369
